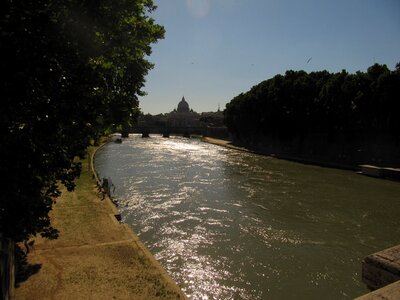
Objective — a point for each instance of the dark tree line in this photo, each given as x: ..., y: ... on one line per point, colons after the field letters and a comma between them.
x: 303, y: 105
x: 70, y: 70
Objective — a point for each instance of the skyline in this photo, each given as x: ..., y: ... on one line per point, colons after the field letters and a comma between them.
x: 214, y: 50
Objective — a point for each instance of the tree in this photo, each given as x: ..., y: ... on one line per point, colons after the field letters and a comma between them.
x: 71, y: 70
x: 334, y: 105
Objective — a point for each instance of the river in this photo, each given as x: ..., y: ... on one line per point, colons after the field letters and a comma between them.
x: 228, y: 224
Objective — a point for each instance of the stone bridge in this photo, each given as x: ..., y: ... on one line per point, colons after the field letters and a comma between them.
x: 166, y: 131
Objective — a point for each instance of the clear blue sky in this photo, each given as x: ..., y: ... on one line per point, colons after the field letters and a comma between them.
x: 215, y: 49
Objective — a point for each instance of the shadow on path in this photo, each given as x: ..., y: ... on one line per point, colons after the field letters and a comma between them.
x: 23, y: 269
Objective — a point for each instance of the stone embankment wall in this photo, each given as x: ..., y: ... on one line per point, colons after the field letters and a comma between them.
x: 381, y: 151
x: 7, y: 268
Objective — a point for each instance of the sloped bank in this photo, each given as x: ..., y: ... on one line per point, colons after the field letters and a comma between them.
x: 95, y: 256
x: 341, y: 155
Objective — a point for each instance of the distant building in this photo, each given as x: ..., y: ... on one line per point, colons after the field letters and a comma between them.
x: 183, y: 106
x: 183, y: 116
x: 212, y: 123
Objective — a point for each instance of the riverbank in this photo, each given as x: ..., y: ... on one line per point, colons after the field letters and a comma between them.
x: 369, y: 170
x: 95, y: 256
x: 231, y: 145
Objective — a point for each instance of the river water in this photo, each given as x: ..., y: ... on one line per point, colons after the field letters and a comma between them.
x: 234, y: 225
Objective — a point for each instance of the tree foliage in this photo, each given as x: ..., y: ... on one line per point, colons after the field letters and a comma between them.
x: 300, y: 104
x: 71, y: 69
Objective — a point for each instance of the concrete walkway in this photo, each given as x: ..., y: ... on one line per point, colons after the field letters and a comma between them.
x: 389, y: 292
x: 95, y: 257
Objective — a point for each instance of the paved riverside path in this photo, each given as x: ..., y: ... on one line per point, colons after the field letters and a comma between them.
x: 95, y: 257
x: 389, y: 292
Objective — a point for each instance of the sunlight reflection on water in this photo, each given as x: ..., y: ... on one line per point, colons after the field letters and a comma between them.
x: 234, y: 225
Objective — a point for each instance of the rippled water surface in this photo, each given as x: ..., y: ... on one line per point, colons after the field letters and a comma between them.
x: 234, y: 225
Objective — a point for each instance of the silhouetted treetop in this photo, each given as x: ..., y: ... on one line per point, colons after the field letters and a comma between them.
x: 300, y: 104
x: 71, y: 69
